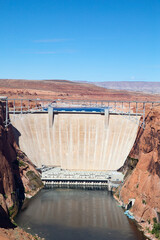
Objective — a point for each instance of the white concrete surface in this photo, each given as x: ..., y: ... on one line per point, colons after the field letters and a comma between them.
x: 76, y: 141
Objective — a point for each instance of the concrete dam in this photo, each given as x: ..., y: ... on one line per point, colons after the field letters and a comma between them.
x: 76, y: 141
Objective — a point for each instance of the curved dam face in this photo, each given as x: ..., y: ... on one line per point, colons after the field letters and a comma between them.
x: 75, y: 141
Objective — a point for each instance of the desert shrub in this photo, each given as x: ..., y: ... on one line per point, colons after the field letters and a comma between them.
x: 156, y: 229
x: 21, y: 163
x: 143, y: 201
x: 11, y: 210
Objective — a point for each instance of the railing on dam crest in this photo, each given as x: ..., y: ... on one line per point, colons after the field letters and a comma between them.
x: 125, y: 108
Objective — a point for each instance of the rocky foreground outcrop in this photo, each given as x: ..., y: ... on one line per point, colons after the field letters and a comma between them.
x: 143, y: 184
x: 18, y: 176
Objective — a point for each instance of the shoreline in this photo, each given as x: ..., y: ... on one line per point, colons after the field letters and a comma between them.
x: 140, y: 225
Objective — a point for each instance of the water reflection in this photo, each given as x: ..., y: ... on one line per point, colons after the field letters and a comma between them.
x: 79, y: 210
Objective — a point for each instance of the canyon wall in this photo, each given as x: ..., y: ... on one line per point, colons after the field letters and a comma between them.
x: 143, y: 184
x: 76, y: 140
x: 18, y: 177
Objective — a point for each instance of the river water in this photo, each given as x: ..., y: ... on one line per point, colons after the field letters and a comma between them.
x: 77, y: 214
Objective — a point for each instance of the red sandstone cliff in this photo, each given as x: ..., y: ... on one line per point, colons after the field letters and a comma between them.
x: 18, y: 177
x: 143, y: 184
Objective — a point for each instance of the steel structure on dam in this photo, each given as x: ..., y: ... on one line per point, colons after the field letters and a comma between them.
x: 77, y: 140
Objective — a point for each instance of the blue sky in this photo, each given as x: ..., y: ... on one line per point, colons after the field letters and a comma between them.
x: 89, y: 40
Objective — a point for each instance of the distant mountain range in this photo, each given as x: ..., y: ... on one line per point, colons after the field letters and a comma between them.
x: 147, y: 87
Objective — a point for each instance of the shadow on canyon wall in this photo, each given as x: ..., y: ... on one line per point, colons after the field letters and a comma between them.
x: 17, y: 135
x: 5, y: 221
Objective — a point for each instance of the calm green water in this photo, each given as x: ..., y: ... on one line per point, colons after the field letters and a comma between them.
x: 77, y: 214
